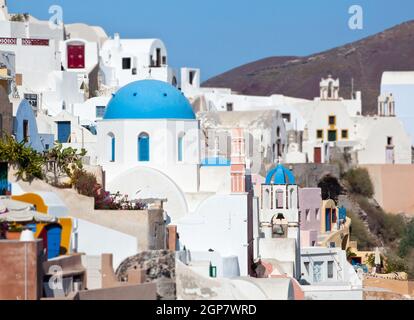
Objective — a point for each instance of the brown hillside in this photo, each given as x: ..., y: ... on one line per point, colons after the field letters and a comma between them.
x: 364, y: 61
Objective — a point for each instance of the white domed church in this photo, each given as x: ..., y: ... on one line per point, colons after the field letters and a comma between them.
x: 149, y: 147
x: 148, y: 143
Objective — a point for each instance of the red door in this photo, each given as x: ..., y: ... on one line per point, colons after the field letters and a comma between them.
x: 317, y: 155
x: 76, y: 56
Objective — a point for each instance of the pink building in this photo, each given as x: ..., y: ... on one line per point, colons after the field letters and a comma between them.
x: 310, y: 202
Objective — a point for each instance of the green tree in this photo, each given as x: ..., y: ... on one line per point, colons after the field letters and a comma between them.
x: 64, y: 161
x: 407, y: 241
x: 27, y: 161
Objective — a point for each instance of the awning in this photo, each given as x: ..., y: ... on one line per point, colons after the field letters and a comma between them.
x: 26, y: 216
x: 13, y: 205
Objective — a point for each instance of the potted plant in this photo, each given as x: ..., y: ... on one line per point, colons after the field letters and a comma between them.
x: 14, y: 232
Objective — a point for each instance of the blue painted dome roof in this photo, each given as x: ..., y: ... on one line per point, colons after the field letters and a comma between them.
x: 149, y: 99
x: 280, y: 175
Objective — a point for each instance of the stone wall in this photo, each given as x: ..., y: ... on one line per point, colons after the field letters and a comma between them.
x: 308, y: 175
x: 159, y: 267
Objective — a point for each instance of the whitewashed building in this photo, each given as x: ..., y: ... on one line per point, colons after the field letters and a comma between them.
x: 126, y: 60
x: 150, y: 148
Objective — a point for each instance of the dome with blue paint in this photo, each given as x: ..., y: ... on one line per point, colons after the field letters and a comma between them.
x: 280, y: 175
x: 149, y: 99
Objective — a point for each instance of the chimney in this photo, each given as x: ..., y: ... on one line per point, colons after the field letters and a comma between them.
x: 238, y: 161
x: 117, y: 39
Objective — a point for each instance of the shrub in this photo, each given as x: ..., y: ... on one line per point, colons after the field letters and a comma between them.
x: 407, y: 241
x: 395, y: 264
x: 27, y: 161
x: 360, y: 233
x: 389, y: 227
x: 64, y: 161
x: 360, y: 182
x: 85, y: 183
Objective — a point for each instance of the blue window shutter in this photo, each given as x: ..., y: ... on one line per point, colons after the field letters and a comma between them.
x: 143, y: 148
x: 113, y: 149
x: 180, y: 149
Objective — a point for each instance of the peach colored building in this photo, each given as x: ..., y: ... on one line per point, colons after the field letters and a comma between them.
x: 393, y: 186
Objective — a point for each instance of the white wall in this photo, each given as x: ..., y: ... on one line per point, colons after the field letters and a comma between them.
x: 86, y: 111
x: 95, y: 240
x: 220, y: 224
x: 163, y: 148
x: 374, y: 132
x: 140, y: 51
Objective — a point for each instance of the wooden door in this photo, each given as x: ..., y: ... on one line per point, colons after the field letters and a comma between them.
x: 317, y: 155
x: 76, y: 56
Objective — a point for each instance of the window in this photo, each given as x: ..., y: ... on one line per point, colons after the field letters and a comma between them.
x: 286, y: 117
x: 291, y: 199
x: 316, y: 214
x: 332, y: 135
x: 266, y: 200
x: 25, y: 130
x: 330, y: 269
x: 229, y: 106
x: 390, y: 141
x: 111, y: 147
x: 308, y: 215
x: 100, y: 111
x: 158, y: 62
x: 143, y: 147
x: 306, y: 267
x: 319, y: 134
x: 332, y: 120
x: 180, y: 144
x: 279, y: 199
x: 344, y: 134
x: 334, y: 216
x: 32, y: 99
x: 191, y: 77
x: 164, y: 60
x: 317, y: 271
x: 126, y: 63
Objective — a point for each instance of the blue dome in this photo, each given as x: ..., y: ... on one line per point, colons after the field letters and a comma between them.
x: 149, y: 99
x: 280, y: 175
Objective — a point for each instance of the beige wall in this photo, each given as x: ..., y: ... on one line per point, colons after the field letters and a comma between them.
x: 394, y: 188
x: 396, y: 286
x: 147, y: 291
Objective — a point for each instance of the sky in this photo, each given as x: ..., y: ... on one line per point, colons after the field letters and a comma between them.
x: 218, y: 35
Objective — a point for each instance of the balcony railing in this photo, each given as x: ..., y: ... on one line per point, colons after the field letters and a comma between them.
x: 35, y: 42
x: 9, y: 41
x: 25, y: 42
